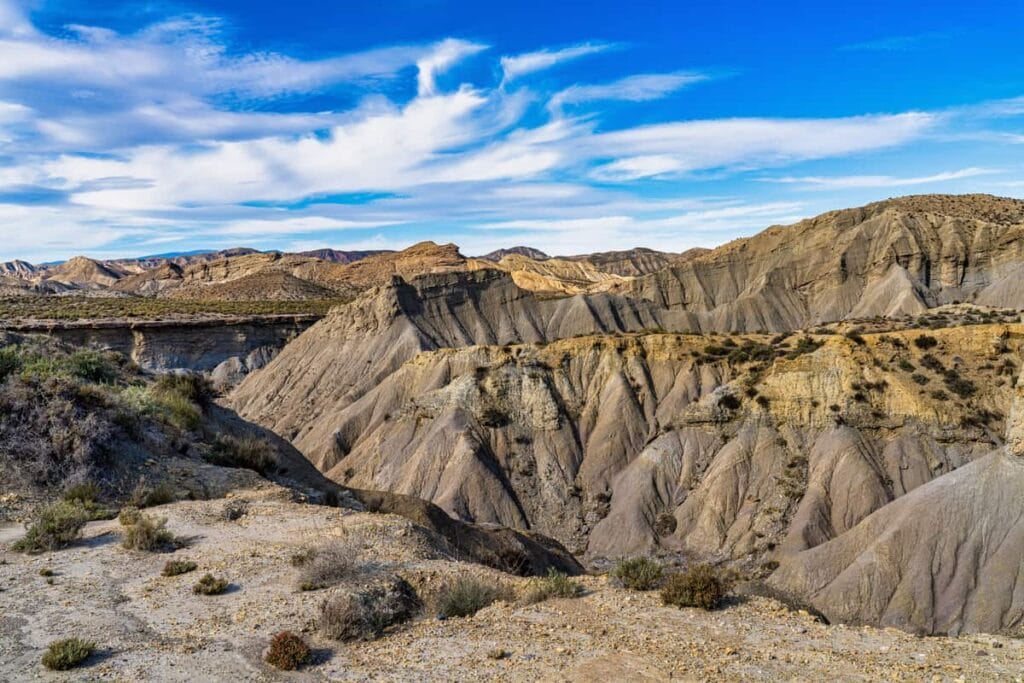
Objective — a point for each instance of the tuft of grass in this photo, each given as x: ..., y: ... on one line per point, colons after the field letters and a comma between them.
x: 325, y: 566
x: 246, y: 452
x: 54, y: 527
x: 145, y: 532
x: 62, y: 655
x: 210, y: 585
x: 364, y: 615
x: 178, y: 567
x: 639, y: 573
x: 467, y: 595
x: 234, y: 510
x: 145, y: 496
x: 698, y: 586
x: 554, y: 585
x: 288, y: 651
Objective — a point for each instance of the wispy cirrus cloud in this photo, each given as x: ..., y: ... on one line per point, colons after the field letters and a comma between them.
x: 529, y: 62
x: 861, y: 181
x: 898, y: 43
x: 168, y: 134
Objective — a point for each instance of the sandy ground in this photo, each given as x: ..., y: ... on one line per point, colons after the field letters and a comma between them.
x: 153, y: 628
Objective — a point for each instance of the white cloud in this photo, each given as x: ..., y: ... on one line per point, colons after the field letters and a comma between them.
x: 748, y: 143
x: 639, y: 88
x: 863, y: 181
x: 529, y: 62
x: 443, y: 57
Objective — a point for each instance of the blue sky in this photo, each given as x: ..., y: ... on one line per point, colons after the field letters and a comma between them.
x: 137, y: 128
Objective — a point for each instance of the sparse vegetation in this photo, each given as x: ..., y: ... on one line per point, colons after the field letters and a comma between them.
x: 145, y: 532
x: 243, y: 452
x: 210, y: 585
x: 467, y: 595
x: 84, y: 308
x: 554, y: 585
x: 62, y: 655
x: 54, y: 527
x: 364, y: 615
x: 698, y: 586
x: 639, y: 573
x: 178, y: 567
x: 288, y: 651
x: 325, y: 566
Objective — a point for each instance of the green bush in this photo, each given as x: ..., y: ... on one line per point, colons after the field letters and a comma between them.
x: 178, y: 567
x: 639, y: 573
x: 62, y: 655
x: 288, y: 651
x: 210, y: 585
x: 145, y: 532
x: 926, y: 341
x: 699, y: 586
x: 54, y: 527
x: 466, y: 596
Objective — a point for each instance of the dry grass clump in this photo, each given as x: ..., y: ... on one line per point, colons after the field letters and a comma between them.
x: 639, y: 573
x: 62, y: 655
x: 178, y: 567
x: 324, y: 566
x: 243, y: 452
x: 234, y: 510
x: 145, y: 532
x: 54, y: 527
x: 210, y: 585
x: 364, y: 615
x: 698, y: 586
x: 554, y: 585
x: 467, y: 595
x: 288, y: 651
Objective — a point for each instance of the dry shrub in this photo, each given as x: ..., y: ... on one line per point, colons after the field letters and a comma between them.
x: 467, y: 595
x: 145, y: 532
x: 210, y: 585
x: 698, y: 586
x: 54, y: 527
x: 554, y: 585
x: 639, y: 573
x: 325, y: 566
x: 178, y: 567
x: 243, y: 452
x: 62, y: 655
x: 288, y: 651
x: 364, y: 615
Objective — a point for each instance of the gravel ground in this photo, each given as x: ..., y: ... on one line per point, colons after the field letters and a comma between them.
x: 149, y: 627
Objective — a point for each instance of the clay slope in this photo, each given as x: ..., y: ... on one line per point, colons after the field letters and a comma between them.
x: 946, y: 558
x: 83, y: 273
x: 628, y: 263
x: 891, y: 258
x: 625, y: 444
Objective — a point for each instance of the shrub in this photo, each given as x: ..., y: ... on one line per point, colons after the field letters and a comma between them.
x: 905, y: 365
x: 234, y: 509
x: 963, y: 388
x: 246, y: 453
x: 466, y: 596
x: 326, y: 566
x: 919, y: 378
x: 729, y: 402
x: 288, y: 651
x: 855, y: 337
x: 932, y: 363
x: 145, y: 532
x: 210, y: 585
x: 638, y: 573
x: 54, y: 527
x: 698, y: 586
x: 554, y: 585
x: 364, y: 615
x: 178, y: 567
x: 926, y: 341
x: 144, y: 496
x: 62, y: 655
